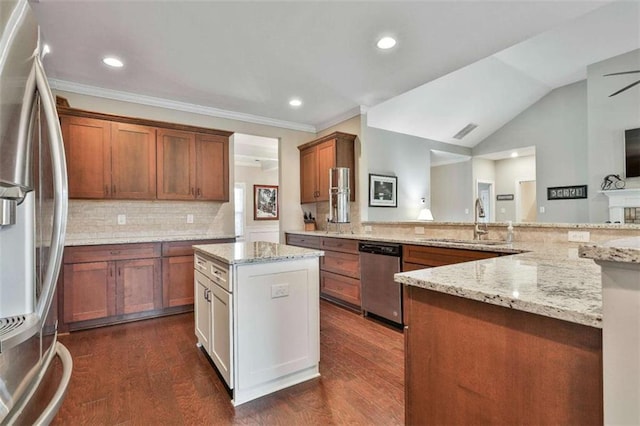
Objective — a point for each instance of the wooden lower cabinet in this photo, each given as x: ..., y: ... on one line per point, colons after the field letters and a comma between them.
x: 469, y: 362
x: 108, y: 284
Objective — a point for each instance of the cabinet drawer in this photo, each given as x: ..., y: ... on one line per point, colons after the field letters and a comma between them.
x: 339, y: 244
x: 438, y: 256
x: 185, y: 248
x: 215, y: 271
x: 307, y: 241
x: 340, y: 287
x: 82, y: 254
x: 341, y: 263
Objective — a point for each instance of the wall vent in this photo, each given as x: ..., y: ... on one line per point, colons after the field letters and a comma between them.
x: 465, y: 131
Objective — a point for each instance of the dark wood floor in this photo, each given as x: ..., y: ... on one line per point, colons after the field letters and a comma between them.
x: 151, y: 373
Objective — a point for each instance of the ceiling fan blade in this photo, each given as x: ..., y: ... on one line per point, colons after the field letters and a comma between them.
x: 622, y: 73
x: 625, y: 88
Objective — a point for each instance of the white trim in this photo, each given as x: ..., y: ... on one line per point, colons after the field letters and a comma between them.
x: 353, y: 112
x: 117, y: 95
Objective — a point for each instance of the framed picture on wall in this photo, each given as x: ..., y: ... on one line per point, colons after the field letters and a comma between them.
x: 383, y: 191
x: 265, y: 202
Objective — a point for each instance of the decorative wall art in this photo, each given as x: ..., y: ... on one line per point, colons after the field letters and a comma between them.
x: 383, y: 191
x: 265, y: 202
x: 567, y: 192
x: 504, y: 197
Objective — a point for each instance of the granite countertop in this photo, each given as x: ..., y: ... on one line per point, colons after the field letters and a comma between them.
x: 625, y: 250
x: 255, y: 252
x: 548, y: 279
x: 89, y: 241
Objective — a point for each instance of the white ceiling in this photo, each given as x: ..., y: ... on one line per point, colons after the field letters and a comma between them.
x: 246, y: 59
x: 494, y: 90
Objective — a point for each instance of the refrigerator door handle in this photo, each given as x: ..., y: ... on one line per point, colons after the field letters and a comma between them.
x: 60, y: 189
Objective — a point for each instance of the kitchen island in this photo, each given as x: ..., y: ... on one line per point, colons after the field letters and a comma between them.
x: 257, y: 314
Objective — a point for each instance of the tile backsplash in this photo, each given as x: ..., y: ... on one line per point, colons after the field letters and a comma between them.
x: 97, y: 219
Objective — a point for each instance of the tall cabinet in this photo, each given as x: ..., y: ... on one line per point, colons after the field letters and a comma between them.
x: 320, y: 155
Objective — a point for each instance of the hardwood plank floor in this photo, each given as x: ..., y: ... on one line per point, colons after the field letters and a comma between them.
x: 151, y: 373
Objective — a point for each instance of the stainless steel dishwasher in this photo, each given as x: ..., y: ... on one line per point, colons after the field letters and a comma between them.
x: 381, y: 295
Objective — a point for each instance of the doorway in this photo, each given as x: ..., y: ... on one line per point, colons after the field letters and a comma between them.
x: 255, y: 163
x: 484, y: 189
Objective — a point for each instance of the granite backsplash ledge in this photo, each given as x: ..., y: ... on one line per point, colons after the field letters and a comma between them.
x: 98, y: 219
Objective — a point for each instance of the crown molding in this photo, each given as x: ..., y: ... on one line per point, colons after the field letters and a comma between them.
x: 117, y: 95
x: 353, y: 112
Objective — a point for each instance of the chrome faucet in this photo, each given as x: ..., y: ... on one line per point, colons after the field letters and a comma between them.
x: 478, y: 212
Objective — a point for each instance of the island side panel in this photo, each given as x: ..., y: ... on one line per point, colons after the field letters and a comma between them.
x: 469, y: 362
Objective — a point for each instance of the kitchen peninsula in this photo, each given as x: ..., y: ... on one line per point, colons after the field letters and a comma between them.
x: 257, y: 314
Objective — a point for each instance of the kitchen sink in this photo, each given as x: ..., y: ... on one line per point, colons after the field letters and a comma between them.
x: 458, y: 241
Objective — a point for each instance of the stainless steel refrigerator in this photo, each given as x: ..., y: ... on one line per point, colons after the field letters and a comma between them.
x: 35, y: 368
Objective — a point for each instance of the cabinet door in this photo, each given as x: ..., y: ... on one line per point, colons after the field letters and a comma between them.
x: 202, y: 308
x: 221, y: 352
x: 308, y: 175
x: 212, y: 168
x: 177, y: 281
x: 133, y: 161
x: 88, y: 154
x: 89, y: 291
x: 176, y: 165
x: 326, y: 160
x: 138, y: 286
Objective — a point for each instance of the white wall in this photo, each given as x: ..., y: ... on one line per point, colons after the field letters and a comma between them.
x: 557, y: 127
x: 608, y: 119
x: 507, y: 173
x: 451, y: 193
x: 257, y: 230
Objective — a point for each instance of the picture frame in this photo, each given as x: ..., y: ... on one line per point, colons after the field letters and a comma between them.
x: 567, y: 192
x: 265, y: 202
x: 383, y: 191
x: 504, y: 197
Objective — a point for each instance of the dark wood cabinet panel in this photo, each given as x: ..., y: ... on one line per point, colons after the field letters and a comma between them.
x: 111, y: 252
x: 468, y: 362
x: 133, y: 161
x: 87, y: 144
x: 344, y: 245
x: 346, y: 264
x: 427, y: 256
x: 212, y: 168
x: 89, y: 291
x: 340, y: 288
x: 320, y: 155
x: 308, y: 241
x: 176, y: 158
x: 177, y: 281
x: 138, y: 286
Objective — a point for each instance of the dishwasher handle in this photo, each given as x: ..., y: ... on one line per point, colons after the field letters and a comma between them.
x: 394, y: 250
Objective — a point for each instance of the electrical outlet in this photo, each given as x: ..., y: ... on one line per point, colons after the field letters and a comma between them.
x: 419, y: 230
x: 189, y: 218
x: 279, y: 290
x: 541, y: 209
x: 122, y: 219
x: 367, y: 228
x: 466, y: 211
x: 503, y: 210
x: 578, y: 236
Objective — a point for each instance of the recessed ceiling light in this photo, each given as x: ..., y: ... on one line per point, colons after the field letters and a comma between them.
x: 113, y: 62
x: 295, y: 102
x: 514, y: 154
x: 386, y: 43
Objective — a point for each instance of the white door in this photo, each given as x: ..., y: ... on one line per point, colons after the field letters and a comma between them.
x: 485, y: 193
x: 202, y: 308
x: 527, y: 202
x: 221, y: 342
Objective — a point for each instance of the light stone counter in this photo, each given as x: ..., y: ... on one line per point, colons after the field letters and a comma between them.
x: 255, y: 252
x: 542, y: 278
x: 70, y: 241
x: 626, y: 250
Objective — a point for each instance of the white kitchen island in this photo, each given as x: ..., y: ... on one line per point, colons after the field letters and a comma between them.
x: 257, y: 314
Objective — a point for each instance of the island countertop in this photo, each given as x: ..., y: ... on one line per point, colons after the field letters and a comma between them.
x: 544, y: 278
x: 255, y: 252
x: 625, y: 250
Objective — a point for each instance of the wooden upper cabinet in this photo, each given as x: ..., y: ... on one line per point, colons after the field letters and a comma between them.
x: 212, y: 167
x: 133, y: 161
x: 176, y: 158
x: 320, y: 155
x: 87, y: 144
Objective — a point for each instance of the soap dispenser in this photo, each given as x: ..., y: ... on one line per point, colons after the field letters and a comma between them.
x: 510, y: 232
